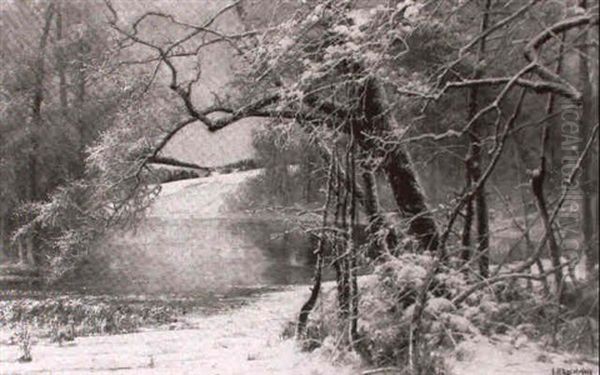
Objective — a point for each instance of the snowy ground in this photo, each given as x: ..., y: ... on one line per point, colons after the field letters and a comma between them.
x: 246, y: 341
x: 515, y: 356
x: 198, y: 197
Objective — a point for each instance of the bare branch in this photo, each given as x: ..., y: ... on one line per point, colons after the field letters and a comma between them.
x: 175, y: 163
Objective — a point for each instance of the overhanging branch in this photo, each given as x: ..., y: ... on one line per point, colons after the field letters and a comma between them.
x: 175, y: 163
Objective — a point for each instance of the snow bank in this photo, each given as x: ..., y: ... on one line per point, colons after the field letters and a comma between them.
x: 203, y: 197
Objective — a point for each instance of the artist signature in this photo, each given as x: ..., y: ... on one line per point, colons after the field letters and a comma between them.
x: 572, y: 371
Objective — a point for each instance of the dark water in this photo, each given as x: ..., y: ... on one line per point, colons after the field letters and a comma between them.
x: 208, y: 264
x: 193, y: 257
x: 201, y: 265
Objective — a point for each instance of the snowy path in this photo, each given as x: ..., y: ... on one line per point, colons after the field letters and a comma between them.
x: 244, y: 341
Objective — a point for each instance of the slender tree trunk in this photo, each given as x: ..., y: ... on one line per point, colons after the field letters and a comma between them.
x: 474, y: 161
x: 36, y: 120
x: 79, y: 99
x: 3, y: 234
x: 60, y: 62
x: 483, y: 233
x: 555, y: 251
x: 340, y: 261
x: 351, y: 246
x: 519, y: 160
x: 31, y: 244
x: 320, y: 253
x: 537, y: 186
x: 36, y: 104
x: 20, y: 252
x: 377, y: 223
x: 465, y: 240
x: 396, y: 163
x: 369, y: 199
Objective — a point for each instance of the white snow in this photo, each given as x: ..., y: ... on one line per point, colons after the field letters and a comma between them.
x: 242, y: 342
x: 203, y: 197
x: 516, y: 355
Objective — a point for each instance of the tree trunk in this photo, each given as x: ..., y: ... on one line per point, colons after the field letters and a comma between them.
x: 538, y: 180
x: 483, y: 232
x: 60, y: 62
x: 351, y: 247
x: 537, y: 186
x: 79, y: 99
x: 29, y: 246
x: 320, y: 253
x: 3, y: 235
x: 519, y: 161
x: 36, y: 104
x: 36, y: 119
x: 369, y: 199
x: 396, y: 163
x: 474, y: 159
x: 384, y: 236
x: 20, y: 252
x: 465, y: 253
x: 341, y: 246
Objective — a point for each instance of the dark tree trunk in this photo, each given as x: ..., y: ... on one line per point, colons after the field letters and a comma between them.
x: 465, y: 253
x: 538, y: 180
x: 396, y: 163
x: 378, y: 226
x: 36, y: 105
x: 36, y: 121
x: 519, y: 161
x: 474, y: 159
x: 465, y: 239
x: 79, y: 97
x: 60, y: 62
x: 351, y: 248
x: 320, y: 253
x: 537, y: 186
x: 483, y: 233
x: 369, y: 199
x: 3, y: 234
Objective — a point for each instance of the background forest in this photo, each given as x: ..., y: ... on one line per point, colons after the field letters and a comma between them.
x: 460, y: 136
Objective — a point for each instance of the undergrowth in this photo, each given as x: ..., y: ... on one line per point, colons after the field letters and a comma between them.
x: 387, y: 303
x: 86, y: 315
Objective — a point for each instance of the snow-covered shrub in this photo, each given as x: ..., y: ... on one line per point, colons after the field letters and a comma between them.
x: 579, y: 334
x: 388, y: 301
x: 24, y: 342
x: 386, y: 306
x: 504, y: 305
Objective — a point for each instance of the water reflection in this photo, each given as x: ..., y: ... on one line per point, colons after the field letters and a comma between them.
x: 197, y: 256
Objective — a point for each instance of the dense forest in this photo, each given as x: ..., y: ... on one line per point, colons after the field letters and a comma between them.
x: 462, y: 136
